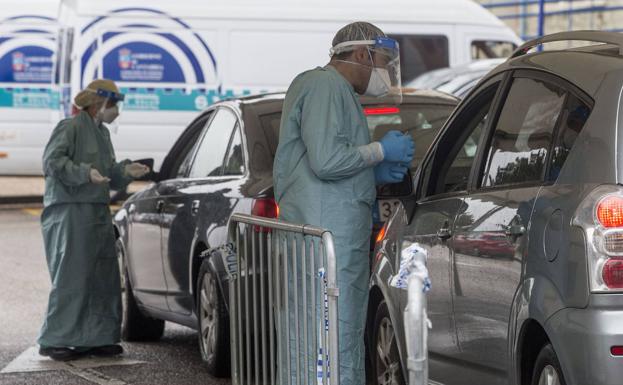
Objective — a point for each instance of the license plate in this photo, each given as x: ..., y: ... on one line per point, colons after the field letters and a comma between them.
x: 387, y: 208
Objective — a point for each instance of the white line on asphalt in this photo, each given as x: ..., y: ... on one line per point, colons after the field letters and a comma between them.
x: 30, y: 361
x: 94, y: 376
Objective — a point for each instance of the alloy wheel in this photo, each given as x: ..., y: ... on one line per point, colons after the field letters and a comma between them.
x: 549, y: 376
x: 208, y: 315
x: 387, y: 358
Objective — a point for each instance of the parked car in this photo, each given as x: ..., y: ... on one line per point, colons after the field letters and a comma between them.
x: 222, y: 164
x: 545, y: 177
x: 457, y: 80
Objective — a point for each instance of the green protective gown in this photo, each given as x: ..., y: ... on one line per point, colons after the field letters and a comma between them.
x: 323, y: 178
x: 84, y: 308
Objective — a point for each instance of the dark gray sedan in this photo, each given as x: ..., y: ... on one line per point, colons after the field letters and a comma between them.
x: 222, y: 163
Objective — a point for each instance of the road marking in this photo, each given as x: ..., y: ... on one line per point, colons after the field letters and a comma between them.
x: 30, y: 361
x: 33, y: 212
x: 95, y: 376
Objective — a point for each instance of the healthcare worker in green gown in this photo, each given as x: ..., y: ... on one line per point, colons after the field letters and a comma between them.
x: 84, y: 309
x: 326, y: 169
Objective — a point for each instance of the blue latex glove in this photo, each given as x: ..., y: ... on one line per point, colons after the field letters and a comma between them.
x: 398, y: 147
x: 387, y: 172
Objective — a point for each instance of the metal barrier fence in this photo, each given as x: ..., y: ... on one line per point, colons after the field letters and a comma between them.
x: 282, y: 303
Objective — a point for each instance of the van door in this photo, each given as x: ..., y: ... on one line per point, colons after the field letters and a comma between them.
x: 494, y: 223
x: 443, y: 188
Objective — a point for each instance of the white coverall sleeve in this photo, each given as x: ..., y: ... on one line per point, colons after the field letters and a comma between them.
x: 326, y: 135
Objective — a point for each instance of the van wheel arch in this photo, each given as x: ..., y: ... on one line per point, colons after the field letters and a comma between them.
x: 532, y: 339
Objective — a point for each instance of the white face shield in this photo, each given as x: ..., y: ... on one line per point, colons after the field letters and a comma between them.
x: 384, y: 52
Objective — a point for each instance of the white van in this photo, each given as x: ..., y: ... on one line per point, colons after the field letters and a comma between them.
x: 28, y: 100
x: 172, y: 59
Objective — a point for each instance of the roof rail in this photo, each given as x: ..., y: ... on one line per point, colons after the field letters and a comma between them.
x: 614, y: 38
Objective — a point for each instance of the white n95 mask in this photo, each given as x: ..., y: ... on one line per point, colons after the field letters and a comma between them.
x: 379, y: 82
x: 110, y: 114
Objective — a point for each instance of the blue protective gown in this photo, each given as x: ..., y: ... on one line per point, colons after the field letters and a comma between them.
x: 322, y: 178
x: 84, y: 308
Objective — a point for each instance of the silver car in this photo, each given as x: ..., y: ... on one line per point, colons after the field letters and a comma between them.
x: 519, y: 204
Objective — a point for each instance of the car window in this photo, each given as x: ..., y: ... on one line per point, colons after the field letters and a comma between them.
x: 523, y: 133
x: 210, y: 154
x: 234, y: 162
x: 456, y: 151
x: 422, y: 121
x: 183, y: 150
x: 270, y: 124
x: 490, y: 49
x: 421, y: 53
x: 574, y: 115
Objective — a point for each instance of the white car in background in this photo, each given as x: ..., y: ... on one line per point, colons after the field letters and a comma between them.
x: 457, y: 80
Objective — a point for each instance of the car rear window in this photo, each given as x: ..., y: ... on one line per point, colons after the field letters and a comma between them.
x: 422, y: 121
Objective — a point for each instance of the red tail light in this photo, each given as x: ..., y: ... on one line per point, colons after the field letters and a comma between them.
x: 612, y: 273
x: 616, y: 350
x: 381, y: 110
x: 610, y: 211
x: 267, y: 208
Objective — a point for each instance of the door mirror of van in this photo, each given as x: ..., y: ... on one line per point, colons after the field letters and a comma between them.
x: 396, y: 190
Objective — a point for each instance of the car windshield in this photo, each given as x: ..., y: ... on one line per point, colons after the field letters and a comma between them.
x: 422, y: 121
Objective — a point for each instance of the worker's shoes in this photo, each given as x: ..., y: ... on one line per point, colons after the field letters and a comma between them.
x: 105, y: 351
x: 60, y: 354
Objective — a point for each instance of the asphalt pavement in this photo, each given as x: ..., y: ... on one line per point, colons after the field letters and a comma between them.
x: 24, y: 285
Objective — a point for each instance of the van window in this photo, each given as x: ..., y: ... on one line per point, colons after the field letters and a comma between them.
x: 491, y: 49
x: 421, y: 53
x: 523, y: 133
x: 574, y: 115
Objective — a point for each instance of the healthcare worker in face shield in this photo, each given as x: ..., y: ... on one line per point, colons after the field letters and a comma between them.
x: 84, y: 308
x: 326, y: 169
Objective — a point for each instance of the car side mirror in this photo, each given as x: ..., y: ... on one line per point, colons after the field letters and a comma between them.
x: 396, y: 190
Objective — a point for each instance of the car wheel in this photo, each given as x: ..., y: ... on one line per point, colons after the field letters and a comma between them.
x: 213, y: 323
x: 547, y: 369
x: 135, y: 326
x: 386, y: 359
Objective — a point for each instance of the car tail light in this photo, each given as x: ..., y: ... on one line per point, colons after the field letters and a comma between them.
x: 381, y: 110
x: 612, y: 273
x: 616, y: 350
x: 267, y: 208
x: 601, y: 217
x: 381, y: 234
x: 610, y: 211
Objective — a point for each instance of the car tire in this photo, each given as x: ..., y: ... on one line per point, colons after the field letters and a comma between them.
x: 135, y: 326
x: 213, y: 323
x: 386, y: 366
x: 547, y: 369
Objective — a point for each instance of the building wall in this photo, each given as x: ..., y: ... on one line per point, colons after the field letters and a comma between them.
x: 568, y: 15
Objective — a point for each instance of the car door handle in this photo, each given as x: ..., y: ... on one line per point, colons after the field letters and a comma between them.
x: 159, y: 206
x: 444, y: 233
x: 194, y: 208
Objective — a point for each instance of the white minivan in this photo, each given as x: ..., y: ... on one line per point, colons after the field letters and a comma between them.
x: 173, y: 59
